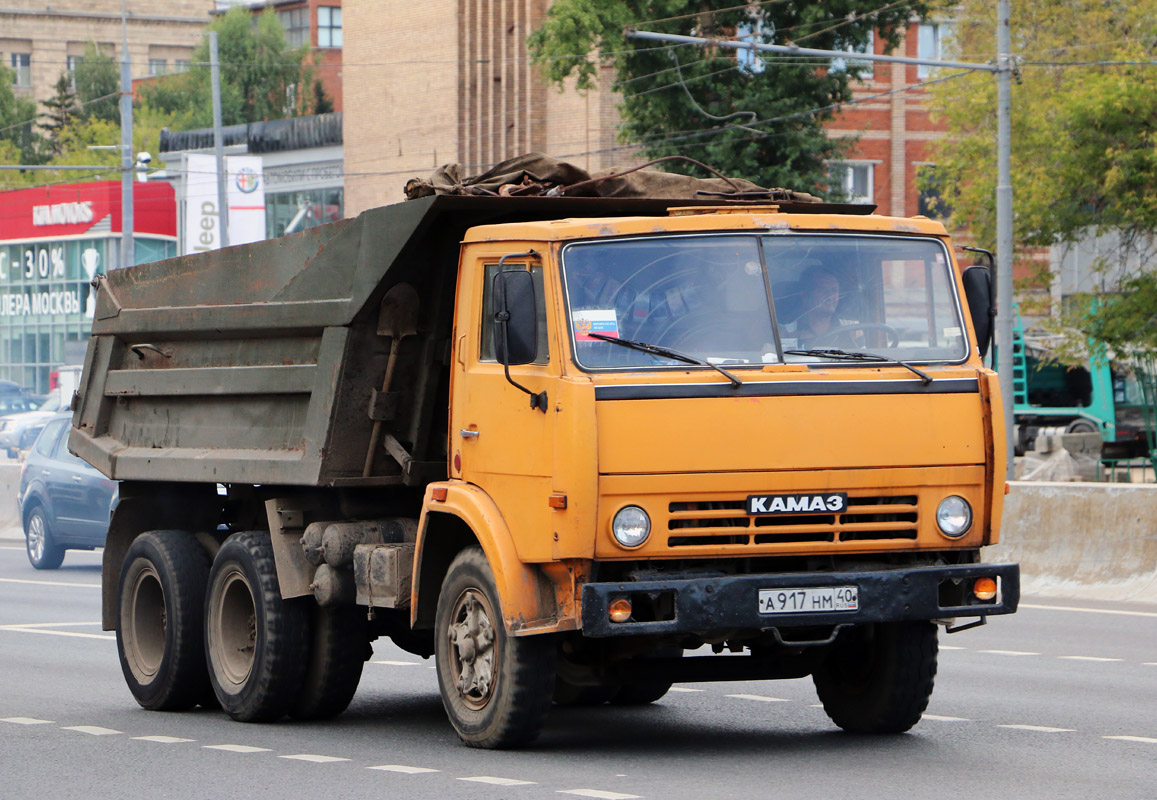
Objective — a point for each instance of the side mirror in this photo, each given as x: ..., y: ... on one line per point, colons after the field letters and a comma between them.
x: 978, y: 291
x: 515, y: 319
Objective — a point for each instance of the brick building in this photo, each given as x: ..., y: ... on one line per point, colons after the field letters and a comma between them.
x: 39, y: 41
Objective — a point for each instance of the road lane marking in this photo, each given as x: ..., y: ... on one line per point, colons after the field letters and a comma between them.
x: 951, y: 647
x: 398, y: 663
x: 50, y: 583
x: 49, y: 624
x: 237, y: 748
x: 315, y: 759
x: 12, y: 548
x: 758, y: 697
x: 26, y: 721
x: 599, y: 793
x: 1092, y: 610
x: 31, y: 629
x: 403, y: 769
x: 162, y: 739
x: 94, y: 730
x: 1145, y: 739
x: 1038, y: 728
x: 684, y: 689
x: 1089, y: 658
x: 1009, y: 652
x: 940, y: 718
x: 497, y: 781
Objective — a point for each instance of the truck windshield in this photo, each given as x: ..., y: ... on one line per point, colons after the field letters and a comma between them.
x: 750, y: 300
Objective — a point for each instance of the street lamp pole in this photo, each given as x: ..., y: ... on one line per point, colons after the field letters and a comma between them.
x: 128, y: 254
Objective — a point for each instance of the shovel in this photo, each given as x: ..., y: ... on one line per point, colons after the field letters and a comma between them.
x: 397, y: 319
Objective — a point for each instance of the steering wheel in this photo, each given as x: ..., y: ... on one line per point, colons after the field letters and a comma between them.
x: 891, y: 334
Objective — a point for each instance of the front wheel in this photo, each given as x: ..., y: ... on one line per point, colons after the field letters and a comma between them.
x: 254, y: 639
x: 878, y: 678
x: 495, y: 688
x: 43, y: 553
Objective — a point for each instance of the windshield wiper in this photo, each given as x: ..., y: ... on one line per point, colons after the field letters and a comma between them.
x: 844, y: 355
x: 655, y: 349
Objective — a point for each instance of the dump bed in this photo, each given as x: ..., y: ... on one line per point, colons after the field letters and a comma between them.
x: 257, y: 364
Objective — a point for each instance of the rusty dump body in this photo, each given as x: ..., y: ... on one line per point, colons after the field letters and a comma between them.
x: 257, y: 364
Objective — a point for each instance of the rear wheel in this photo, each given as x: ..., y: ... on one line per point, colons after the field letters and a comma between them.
x: 254, y: 639
x: 339, y: 649
x: 43, y: 553
x: 878, y: 678
x: 161, y: 620
x: 495, y: 688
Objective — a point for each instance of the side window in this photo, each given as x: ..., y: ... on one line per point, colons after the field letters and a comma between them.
x: 48, y: 437
x: 62, y: 453
x: 487, y: 351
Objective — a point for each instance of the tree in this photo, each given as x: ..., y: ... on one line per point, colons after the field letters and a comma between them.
x: 62, y: 110
x: 17, y: 127
x: 261, y: 76
x: 758, y: 116
x: 98, y: 85
x: 1084, y: 147
x: 322, y: 102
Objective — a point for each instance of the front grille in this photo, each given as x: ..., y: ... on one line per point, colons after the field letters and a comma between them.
x: 726, y: 522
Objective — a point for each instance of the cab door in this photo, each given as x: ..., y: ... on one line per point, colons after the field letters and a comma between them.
x: 499, y: 442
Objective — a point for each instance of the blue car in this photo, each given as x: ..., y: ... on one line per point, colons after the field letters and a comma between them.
x: 64, y: 503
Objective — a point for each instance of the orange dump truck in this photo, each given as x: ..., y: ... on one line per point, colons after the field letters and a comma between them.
x: 572, y: 448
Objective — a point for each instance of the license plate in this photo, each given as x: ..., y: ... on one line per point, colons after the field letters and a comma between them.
x: 809, y: 600
x: 807, y: 503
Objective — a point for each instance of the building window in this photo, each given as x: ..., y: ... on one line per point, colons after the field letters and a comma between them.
x: 22, y: 66
x: 750, y: 60
x: 72, y: 62
x: 850, y: 181
x: 328, y: 26
x: 181, y: 65
x: 933, y: 42
x: 158, y: 66
x: 296, y: 24
x: 865, y: 67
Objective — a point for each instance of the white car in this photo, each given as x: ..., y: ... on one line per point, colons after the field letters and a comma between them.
x: 19, y: 430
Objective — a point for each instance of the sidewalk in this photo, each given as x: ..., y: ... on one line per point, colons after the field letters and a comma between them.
x: 12, y: 534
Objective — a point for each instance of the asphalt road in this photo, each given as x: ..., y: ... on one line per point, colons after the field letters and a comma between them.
x: 1057, y: 701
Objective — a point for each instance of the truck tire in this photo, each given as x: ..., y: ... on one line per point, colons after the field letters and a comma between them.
x: 254, y: 639
x: 495, y: 688
x: 160, y: 623
x: 43, y: 553
x: 640, y: 694
x: 338, y: 650
x: 878, y: 678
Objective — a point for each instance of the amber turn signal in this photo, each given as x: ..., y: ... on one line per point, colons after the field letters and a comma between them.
x: 438, y: 494
x: 984, y: 588
x: 619, y: 610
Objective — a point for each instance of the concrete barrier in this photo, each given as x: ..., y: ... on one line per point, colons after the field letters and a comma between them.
x: 9, y: 486
x: 1085, y: 540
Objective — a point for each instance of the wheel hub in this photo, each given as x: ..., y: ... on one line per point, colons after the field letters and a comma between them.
x: 472, y: 650
x: 36, y: 536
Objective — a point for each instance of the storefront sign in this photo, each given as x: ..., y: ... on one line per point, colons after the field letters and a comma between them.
x: 245, y: 195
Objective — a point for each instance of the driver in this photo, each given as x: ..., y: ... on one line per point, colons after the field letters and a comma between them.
x: 820, y: 297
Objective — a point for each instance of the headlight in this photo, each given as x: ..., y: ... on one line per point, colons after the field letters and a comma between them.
x: 954, y: 516
x: 631, y: 526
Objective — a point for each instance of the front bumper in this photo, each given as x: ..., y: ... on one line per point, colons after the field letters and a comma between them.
x: 729, y: 603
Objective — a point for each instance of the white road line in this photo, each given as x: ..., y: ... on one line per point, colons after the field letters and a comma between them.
x: 75, y: 634
x: 403, y: 768
x: 163, y: 739
x: 940, y: 718
x: 49, y: 624
x: 1038, y: 728
x: 12, y: 548
x: 398, y: 663
x: 1149, y: 664
x: 94, y: 730
x: 497, y: 781
x: 1092, y: 610
x: 758, y: 697
x: 1009, y: 652
x: 237, y: 748
x: 1089, y: 658
x: 51, y: 583
x: 599, y: 793
x: 684, y: 689
x: 951, y: 647
x: 1145, y: 739
x: 26, y: 721
x: 315, y: 759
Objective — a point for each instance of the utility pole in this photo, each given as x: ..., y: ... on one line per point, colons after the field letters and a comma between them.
x: 128, y: 249
x: 1003, y: 71
x: 218, y: 139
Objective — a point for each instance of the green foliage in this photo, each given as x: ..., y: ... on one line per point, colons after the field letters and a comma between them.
x: 62, y: 110
x: 1084, y: 145
x: 17, y: 128
x: 261, y: 76
x: 322, y: 102
x: 98, y: 85
x: 751, y: 115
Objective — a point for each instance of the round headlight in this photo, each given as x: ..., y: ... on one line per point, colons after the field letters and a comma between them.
x: 954, y: 516
x: 631, y: 526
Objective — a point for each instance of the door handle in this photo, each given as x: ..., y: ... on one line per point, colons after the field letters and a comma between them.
x: 77, y: 479
x: 465, y: 434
